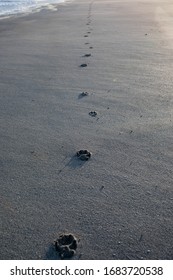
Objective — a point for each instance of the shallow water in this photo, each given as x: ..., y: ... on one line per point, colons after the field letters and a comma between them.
x: 9, y: 7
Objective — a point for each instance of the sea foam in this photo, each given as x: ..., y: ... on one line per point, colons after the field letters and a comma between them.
x: 10, y: 7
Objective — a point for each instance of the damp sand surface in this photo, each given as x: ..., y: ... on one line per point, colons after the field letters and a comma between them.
x: 119, y: 203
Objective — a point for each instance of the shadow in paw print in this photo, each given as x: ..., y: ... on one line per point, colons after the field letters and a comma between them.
x: 79, y: 159
x: 51, y: 253
x: 75, y: 163
x: 66, y: 246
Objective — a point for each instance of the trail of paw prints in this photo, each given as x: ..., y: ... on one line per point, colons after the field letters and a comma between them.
x: 89, y: 23
x: 87, y: 34
x: 88, y: 54
x: 89, y: 19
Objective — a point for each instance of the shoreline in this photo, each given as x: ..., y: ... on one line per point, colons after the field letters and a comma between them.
x: 96, y: 76
x: 32, y: 10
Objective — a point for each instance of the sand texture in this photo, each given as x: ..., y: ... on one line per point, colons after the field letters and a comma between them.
x: 57, y: 68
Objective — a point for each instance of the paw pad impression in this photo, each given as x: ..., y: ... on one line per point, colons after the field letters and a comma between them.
x: 66, y: 245
x: 83, y: 65
x: 83, y: 154
x: 93, y: 113
x: 84, y: 93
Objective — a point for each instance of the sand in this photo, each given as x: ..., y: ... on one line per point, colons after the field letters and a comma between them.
x: 119, y: 203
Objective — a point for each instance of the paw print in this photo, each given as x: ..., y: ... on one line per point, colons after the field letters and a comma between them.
x: 93, y: 114
x: 83, y: 154
x: 66, y: 245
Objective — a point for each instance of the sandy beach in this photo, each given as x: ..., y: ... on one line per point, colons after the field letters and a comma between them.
x: 119, y: 203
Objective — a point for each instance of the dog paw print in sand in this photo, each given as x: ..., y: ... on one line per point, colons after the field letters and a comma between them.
x: 66, y: 245
x: 87, y: 55
x: 83, y: 65
x: 83, y: 155
x: 93, y: 113
x: 83, y: 94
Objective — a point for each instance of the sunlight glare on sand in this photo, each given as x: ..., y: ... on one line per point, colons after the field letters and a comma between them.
x: 165, y: 22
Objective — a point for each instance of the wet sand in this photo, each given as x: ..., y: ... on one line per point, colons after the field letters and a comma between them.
x: 119, y: 203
